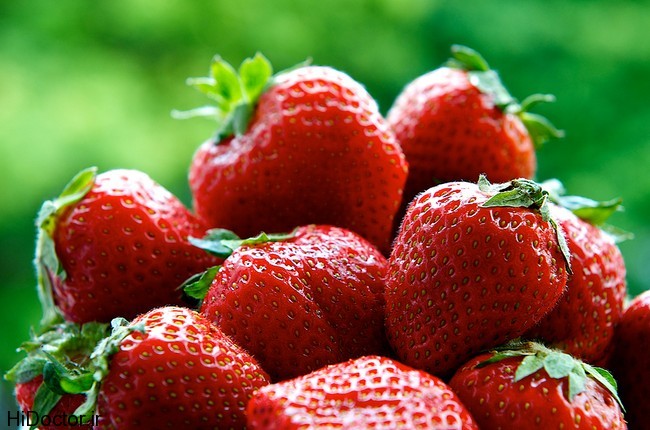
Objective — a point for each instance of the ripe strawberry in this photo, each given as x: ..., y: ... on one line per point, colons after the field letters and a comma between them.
x: 306, y: 146
x: 307, y: 300
x: 115, y: 244
x: 459, y: 121
x: 472, y: 267
x: 369, y: 392
x: 630, y: 361
x: 65, y: 407
x: 65, y: 342
x: 583, y: 322
x: 534, y: 387
x: 169, y: 368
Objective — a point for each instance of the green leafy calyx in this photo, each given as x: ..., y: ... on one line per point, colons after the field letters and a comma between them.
x: 61, y: 355
x: 488, y: 82
x: 592, y: 211
x: 221, y: 242
x: 557, y: 365
x: 46, y: 261
x: 525, y: 193
x: 235, y: 93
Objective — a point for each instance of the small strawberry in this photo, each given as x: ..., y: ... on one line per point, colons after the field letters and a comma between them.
x: 115, y: 244
x: 583, y: 322
x: 169, y: 368
x: 532, y: 386
x: 459, y: 121
x: 630, y: 361
x: 302, y: 301
x: 472, y: 267
x: 370, y: 392
x: 42, y: 407
x: 305, y: 146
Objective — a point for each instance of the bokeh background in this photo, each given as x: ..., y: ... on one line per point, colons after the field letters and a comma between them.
x: 93, y: 83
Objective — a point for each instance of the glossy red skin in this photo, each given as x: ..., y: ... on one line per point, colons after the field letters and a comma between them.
x: 370, y: 392
x: 535, y: 402
x: 584, y: 320
x: 300, y: 304
x: 183, y: 373
x: 630, y: 362
x: 25, y: 393
x: 450, y: 131
x: 124, y: 249
x: 463, y: 278
x: 317, y: 151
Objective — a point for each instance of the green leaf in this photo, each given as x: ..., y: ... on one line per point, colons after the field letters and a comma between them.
x: 592, y: 211
x: 74, y: 191
x: 541, y: 130
x: 226, y: 81
x: 255, y: 73
x: 528, y: 366
x: 26, y: 370
x: 45, y: 400
x: 558, y: 364
x: 605, y: 379
x: 204, y: 111
x: 468, y: 59
x: 577, y: 381
x: 241, y: 115
x: 212, y: 242
x: 198, y: 285
x: 535, y: 99
x: 617, y: 234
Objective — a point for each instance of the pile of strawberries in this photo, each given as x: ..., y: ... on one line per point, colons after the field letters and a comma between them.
x: 338, y: 269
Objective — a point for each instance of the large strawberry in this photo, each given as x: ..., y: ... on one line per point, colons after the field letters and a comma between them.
x: 306, y: 146
x: 169, y: 368
x: 531, y: 386
x: 472, y: 267
x: 300, y: 302
x: 369, y: 392
x: 459, y: 121
x: 630, y: 361
x: 115, y: 244
x: 583, y: 322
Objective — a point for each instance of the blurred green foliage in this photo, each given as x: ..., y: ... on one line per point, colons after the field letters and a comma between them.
x: 93, y: 83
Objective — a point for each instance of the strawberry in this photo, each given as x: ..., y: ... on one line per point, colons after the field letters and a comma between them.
x: 472, y: 267
x: 305, y: 146
x: 583, y: 322
x: 369, y: 392
x: 301, y: 301
x: 459, y: 121
x: 630, y: 361
x: 532, y: 386
x: 115, y: 244
x: 169, y: 368
x: 41, y: 407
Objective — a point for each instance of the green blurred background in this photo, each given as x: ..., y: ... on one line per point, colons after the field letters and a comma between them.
x: 93, y: 83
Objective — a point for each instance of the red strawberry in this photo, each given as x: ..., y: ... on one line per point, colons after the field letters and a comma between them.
x: 115, y: 244
x: 307, y: 146
x: 472, y: 267
x: 458, y: 121
x: 169, y: 368
x: 630, y: 361
x: 370, y: 392
x: 61, y: 416
x: 297, y: 304
x: 535, y: 387
x: 583, y: 322
x: 42, y: 407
